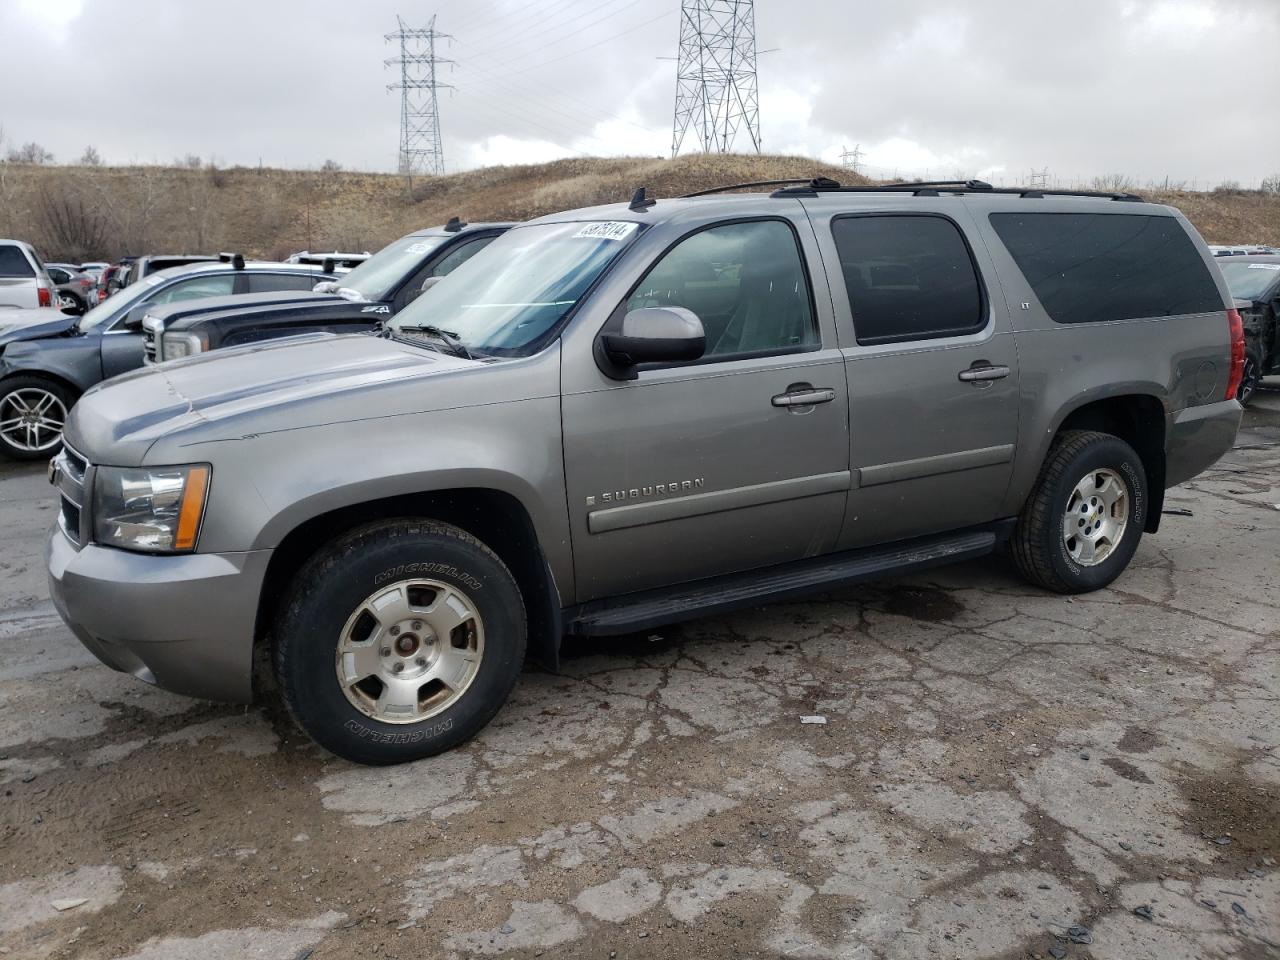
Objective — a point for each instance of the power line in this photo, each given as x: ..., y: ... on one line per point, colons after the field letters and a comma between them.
x: 716, y: 75
x: 421, y: 149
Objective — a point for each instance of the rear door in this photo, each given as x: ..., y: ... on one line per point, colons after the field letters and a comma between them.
x: 734, y: 462
x: 931, y: 369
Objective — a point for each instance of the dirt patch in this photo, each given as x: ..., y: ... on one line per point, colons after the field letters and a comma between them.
x: 1137, y: 740
x: 1126, y: 769
x: 1237, y: 809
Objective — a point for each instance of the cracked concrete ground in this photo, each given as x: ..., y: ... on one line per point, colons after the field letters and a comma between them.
x: 1003, y: 773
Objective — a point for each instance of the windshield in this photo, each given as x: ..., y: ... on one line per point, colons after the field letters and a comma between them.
x: 119, y: 303
x: 377, y: 277
x: 1249, y: 281
x: 511, y: 296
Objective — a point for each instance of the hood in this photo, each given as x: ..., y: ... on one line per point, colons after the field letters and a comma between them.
x: 33, y: 324
x: 286, y: 384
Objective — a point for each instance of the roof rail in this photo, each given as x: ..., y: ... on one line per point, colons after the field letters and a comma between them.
x: 812, y: 182
x: 934, y: 188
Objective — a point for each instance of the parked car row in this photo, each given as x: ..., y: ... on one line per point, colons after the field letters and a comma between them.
x: 611, y: 419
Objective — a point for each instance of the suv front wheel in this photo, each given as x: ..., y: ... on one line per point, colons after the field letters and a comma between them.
x: 1081, y: 525
x: 399, y: 640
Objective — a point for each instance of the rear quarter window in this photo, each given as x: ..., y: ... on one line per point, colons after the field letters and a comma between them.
x: 1097, y: 267
x: 14, y: 263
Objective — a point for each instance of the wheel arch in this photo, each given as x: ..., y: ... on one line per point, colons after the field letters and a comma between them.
x: 1140, y: 420
x: 494, y: 516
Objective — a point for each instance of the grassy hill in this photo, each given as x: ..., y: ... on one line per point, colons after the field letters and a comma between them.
x: 78, y: 213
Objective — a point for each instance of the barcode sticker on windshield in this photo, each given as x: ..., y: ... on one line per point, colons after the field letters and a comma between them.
x: 608, y: 230
x: 1264, y: 266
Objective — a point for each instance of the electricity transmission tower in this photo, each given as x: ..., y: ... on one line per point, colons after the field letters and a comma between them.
x: 421, y: 149
x: 716, y: 75
x: 852, y: 159
x: 1039, y: 179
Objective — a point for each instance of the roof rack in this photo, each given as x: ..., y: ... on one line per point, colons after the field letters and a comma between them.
x: 934, y: 188
x: 813, y: 182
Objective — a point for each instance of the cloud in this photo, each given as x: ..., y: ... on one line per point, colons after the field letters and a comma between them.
x: 1145, y: 87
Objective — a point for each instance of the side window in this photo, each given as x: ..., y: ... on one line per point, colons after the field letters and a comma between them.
x: 745, y: 281
x: 908, y: 278
x: 1090, y: 267
x: 459, y: 255
x: 218, y: 285
x: 275, y: 282
x: 58, y: 275
x: 14, y: 263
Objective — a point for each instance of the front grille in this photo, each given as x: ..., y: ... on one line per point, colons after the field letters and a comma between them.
x: 72, y: 469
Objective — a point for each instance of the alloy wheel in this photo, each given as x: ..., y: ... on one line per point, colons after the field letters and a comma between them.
x: 31, y: 419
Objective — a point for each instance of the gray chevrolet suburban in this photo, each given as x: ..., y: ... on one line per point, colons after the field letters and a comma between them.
x: 624, y: 416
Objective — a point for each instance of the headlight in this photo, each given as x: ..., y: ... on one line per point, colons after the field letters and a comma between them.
x: 156, y: 509
x: 174, y: 346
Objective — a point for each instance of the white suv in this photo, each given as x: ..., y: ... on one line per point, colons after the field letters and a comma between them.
x: 24, y: 282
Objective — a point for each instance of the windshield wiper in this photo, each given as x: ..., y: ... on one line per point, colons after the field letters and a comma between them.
x: 449, y: 338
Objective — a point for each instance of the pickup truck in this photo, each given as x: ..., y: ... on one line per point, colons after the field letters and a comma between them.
x: 620, y: 417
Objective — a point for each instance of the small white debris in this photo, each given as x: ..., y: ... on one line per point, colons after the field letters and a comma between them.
x: 817, y: 718
x: 69, y: 904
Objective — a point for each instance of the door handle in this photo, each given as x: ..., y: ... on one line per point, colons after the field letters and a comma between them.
x: 981, y: 372
x: 803, y: 395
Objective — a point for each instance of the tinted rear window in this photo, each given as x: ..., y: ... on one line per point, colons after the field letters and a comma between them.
x: 907, y: 277
x: 13, y: 263
x: 1090, y: 267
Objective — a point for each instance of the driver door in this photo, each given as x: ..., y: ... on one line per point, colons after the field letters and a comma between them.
x: 736, y: 461
x: 122, y: 347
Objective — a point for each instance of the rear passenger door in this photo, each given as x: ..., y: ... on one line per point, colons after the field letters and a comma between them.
x: 931, y: 369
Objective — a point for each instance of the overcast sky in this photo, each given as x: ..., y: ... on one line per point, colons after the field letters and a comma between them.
x: 1188, y: 89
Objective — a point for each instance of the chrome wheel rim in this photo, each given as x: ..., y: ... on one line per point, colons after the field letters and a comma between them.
x: 1096, y: 517
x: 67, y: 302
x: 410, y: 651
x: 32, y: 419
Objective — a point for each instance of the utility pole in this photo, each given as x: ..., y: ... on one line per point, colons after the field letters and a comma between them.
x: 716, y: 75
x: 421, y: 149
x: 852, y: 159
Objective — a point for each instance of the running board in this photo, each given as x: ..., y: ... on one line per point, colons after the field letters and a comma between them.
x: 700, y: 598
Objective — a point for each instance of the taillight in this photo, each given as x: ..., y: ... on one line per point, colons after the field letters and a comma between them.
x: 1237, y: 353
x: 46, y: 296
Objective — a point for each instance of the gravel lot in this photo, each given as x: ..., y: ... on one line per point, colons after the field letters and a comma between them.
x: 1001, y: 773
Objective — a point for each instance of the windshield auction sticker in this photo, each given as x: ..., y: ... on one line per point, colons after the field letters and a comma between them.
x: 608, y: 230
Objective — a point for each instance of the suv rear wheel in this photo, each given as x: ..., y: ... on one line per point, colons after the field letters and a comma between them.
x: 399, y: 640
x: 1250, y: 377
x: 1081, y: 525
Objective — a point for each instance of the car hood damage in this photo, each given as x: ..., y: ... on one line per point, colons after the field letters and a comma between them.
x: 229, y: 394
x: 33, y: 325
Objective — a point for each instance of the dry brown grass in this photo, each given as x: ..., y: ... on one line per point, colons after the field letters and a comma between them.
x: 274, y: 212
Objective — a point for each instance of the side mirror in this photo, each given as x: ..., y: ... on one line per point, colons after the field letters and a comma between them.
x: 133, y: 319
x: 428, y: 283
x: 656, y: 335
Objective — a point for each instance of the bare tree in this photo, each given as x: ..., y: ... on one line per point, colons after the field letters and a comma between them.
x: 31, y: 153
x: 1114, y: 182
x: 331, y: 166
x: 91, y: 157
x: 1270, y: 184
x: 191, y: 161
x: 72, y: 228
